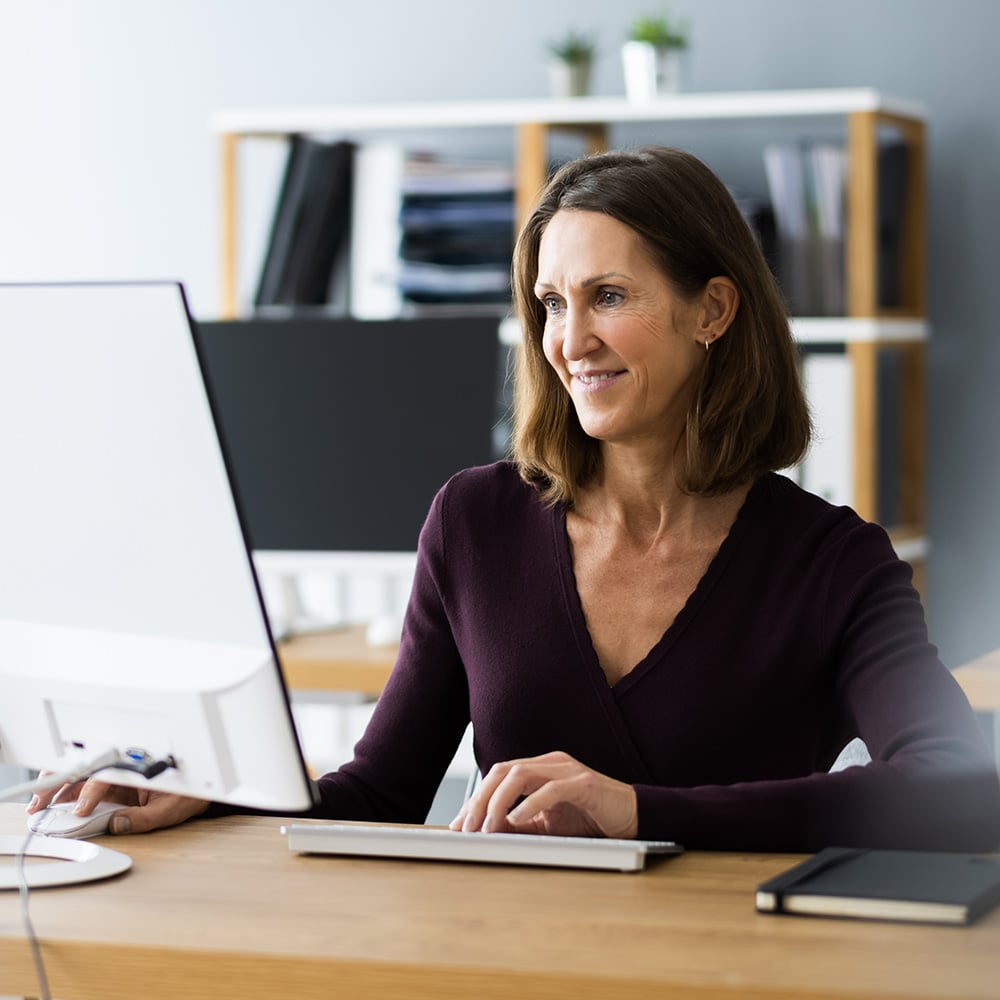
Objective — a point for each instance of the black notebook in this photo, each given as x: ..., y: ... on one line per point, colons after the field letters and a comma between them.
x: 923, y: 886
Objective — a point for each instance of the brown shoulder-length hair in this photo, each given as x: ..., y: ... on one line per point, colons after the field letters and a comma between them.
x: 748, y: 413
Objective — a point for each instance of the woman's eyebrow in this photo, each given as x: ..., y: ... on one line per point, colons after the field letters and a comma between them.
x: 603, y: 277
x: 587, y: 282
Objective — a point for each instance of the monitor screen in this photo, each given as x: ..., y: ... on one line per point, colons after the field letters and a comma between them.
x: 340, y: 432
x: 130, y: 615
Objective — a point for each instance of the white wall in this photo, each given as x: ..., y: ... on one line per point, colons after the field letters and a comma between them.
x: 108, y: 168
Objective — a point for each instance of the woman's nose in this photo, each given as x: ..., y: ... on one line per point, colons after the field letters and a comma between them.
x: 579, y: 338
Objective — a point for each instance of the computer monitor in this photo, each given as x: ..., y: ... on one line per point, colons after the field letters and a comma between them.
x: 341, y: 431
x: 131, y: 620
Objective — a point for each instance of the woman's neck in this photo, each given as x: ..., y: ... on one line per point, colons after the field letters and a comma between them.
x: 639, y: 494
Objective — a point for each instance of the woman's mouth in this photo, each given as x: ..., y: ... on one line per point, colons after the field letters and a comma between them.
x: 595, y: 379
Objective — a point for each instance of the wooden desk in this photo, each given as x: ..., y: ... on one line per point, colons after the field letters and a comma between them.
x: 980, y: 679
x: 341, y: 660
x: 221, y: 909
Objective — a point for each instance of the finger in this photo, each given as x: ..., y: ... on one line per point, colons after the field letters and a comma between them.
x: 583, y: 803
x: 94, y: 791
x: 50, y: 796
x: 473, y: 814
x: 477, y: 808
x: 522, y: 779
x: 470, y: 816
x: 160, y: 811
x: 533, y: 814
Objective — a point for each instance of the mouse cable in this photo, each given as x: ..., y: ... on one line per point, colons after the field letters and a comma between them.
x: 14, y: 793
x: 133, y: 760
x: 29, y: 928
x: 44, y: 782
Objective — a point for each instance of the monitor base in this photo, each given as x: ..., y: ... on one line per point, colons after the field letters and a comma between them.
x: 70, y: 862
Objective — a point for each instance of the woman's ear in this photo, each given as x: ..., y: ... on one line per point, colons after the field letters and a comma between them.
x: 719, y: 302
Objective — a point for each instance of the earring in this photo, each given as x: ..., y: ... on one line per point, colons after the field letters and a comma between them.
x: 707, y: 342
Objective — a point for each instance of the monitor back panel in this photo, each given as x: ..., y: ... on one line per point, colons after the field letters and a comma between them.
x: 340, y: 432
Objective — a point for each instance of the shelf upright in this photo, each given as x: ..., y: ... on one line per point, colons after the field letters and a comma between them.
x: 531, y: 158
x: 862, y: 268
x: 229, y: 224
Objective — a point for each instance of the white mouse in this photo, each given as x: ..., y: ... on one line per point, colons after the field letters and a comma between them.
x: 59, y: 820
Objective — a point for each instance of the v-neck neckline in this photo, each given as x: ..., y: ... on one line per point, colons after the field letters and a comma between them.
x: 677, y: 627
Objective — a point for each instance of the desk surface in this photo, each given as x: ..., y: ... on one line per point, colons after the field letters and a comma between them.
x: 980, y: 680
x: 340, y: 660
x: 221, y: 909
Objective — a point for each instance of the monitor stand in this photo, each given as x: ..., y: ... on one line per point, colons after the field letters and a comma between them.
x: 69, y: 861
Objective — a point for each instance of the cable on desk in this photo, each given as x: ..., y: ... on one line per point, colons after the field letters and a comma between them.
x: 29, y: 928
x: 132, y: 760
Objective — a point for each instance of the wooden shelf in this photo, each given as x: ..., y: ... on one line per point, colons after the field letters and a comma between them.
x: 865, y: 332
x: 534, y: 121
x: 858, y: 329
x: 761, y: 104
x: 814, y: 330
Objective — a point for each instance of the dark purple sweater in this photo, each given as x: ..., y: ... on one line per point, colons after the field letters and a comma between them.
x: 804, y: 632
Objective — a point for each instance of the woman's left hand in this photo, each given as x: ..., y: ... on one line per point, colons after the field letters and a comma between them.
x: 550, y: 794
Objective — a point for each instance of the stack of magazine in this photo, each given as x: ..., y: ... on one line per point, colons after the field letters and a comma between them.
x: 457, y: 231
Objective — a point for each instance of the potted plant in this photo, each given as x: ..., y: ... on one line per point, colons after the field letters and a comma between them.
x: 651, y: 58
x: 569, y: 69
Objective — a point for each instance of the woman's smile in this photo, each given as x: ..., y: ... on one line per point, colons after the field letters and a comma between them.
x: 595, y: 381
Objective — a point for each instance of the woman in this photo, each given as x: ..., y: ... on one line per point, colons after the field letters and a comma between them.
x: 652, y: 632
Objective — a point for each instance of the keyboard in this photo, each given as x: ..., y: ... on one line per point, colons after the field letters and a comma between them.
x: 441, y: 844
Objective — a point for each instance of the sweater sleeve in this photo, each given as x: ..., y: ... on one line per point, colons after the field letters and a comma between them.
x: 421, y: 714
x: 930, y: 785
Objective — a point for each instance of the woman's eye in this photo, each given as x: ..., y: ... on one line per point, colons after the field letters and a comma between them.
x: 609, y: 297
x: 551, y: 304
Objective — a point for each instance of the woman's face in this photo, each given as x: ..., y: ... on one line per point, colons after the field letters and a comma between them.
x: 620, y: 338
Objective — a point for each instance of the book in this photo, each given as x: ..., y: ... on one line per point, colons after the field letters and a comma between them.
x: 826, y: 173
x: 376, y: 230
x: 921, y: 886
x: 324, y: 226
x: 893, y: 165
x: 784, y: 164
x: 807, y: 184
x: 828, y: 468
x: 287, y: 215
x: 310, y: 226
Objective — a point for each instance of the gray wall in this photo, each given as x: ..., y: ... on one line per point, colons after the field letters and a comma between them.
x: 109, y: 168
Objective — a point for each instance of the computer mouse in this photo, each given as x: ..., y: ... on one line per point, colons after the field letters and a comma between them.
x: 59, y: 820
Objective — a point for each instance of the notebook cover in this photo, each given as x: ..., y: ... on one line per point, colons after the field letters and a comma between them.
x: 884, y: 884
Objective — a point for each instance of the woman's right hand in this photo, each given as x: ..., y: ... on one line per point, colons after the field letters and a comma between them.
x: 145, y: 809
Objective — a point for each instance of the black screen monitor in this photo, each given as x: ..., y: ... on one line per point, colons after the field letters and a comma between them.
x: 340, y: 432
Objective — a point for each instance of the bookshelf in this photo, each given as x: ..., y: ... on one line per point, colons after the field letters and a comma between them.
x: 866, y: 334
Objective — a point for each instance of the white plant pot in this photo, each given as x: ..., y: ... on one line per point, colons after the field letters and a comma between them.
x: 569, y: 79
x: 650, y: 71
